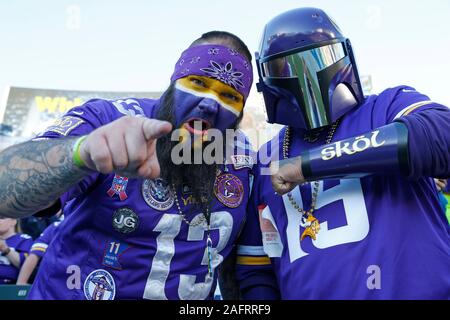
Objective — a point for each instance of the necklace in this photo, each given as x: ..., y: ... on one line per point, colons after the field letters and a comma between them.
x: 204, y: 218
x: 308, y: 221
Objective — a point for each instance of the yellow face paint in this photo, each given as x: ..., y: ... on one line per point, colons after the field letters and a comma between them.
x: 228, y: 97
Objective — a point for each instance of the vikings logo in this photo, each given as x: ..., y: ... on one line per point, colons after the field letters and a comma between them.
x: 312, y: 227
x: 229, y: 190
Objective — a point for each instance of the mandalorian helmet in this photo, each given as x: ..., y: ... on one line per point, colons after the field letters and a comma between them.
x: 307, y: 71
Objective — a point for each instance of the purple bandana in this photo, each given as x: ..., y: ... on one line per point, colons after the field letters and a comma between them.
x: 217, y: 62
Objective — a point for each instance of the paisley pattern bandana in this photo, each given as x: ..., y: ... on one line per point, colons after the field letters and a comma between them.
x: 217, y: 62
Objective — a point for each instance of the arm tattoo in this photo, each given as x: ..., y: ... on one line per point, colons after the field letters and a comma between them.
x: 34, y: 174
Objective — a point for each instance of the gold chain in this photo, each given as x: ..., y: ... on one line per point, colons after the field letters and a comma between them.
x: 201, y: 220
x: 315, y: 192
x: 177, y: 203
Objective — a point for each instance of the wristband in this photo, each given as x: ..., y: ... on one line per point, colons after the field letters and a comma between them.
x: 76, y: 158
x: 382, y: 151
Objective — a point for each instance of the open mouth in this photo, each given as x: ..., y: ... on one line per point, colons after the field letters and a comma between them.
x: 197, y: 126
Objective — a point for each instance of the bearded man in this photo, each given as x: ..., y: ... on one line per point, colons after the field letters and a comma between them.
x: 138, y: 221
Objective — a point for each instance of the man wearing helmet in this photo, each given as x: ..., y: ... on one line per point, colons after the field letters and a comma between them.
x: 343, y: 206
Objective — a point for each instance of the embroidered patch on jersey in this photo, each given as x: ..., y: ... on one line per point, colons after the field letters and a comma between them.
x: 65, y: 125
x: 118, y: 187
x: 99, y: 285
x: 241, y: 161
x: 229, y: 190
x: 157, y: 194
x: 125, y: 220
x: 111, y: 256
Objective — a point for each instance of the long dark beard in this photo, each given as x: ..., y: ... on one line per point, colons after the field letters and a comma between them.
x: 198, y: 177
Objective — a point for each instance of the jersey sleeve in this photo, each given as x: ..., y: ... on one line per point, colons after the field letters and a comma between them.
x: 40, y: 245
x: 428, y: 125
x: 428, y: 143
x: 24, y: 247
x: 78, y: 121
x: 254, y: 272
x: 402, y: 101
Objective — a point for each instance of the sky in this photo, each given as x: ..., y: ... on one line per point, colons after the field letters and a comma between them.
x: 118, y: 45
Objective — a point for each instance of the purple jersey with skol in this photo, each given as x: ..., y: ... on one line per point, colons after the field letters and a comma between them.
x: 380, y: 237
x: 41, y: 244
x: 21, y: 243
x: 124, y: 238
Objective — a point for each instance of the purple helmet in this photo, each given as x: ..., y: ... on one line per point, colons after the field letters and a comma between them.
x: 307, y: 71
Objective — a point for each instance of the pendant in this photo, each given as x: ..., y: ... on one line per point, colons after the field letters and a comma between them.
x: 209, y: 252
x: 312, y: 227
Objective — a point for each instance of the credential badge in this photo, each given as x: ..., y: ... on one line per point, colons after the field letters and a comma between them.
x: 99, y: 285
x: 157, y: 194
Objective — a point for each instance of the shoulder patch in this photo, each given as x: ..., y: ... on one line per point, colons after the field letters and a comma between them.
x: 65, y: 125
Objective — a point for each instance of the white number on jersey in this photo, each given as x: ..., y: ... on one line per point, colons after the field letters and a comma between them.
x: 357, y: 228
x: 169, y: 227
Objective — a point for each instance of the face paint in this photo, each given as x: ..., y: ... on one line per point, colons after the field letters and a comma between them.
x: 208, y: 101
x: 216, y: 62
x: 211, y: 85
x: 225, y: 95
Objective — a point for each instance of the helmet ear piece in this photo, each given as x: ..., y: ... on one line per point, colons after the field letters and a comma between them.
x: 342, y: 100
x: 359, y: 94
x: 282, y: 107
x: 270, y: 100
x: 260, y: 83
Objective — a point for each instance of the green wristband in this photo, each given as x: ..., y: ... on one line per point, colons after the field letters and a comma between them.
x: 76, y: 158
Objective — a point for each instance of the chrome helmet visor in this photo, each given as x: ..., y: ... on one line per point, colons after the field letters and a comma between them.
x: 300, y: 70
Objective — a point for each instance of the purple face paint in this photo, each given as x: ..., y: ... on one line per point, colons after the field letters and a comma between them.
x: 217, y: 62
x: 189, y: 107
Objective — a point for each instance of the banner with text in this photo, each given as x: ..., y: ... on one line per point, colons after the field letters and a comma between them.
x: 31, y: 110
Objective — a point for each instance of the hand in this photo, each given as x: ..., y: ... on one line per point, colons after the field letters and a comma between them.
x: 3, y: 246
x: 440, y: 184
x: 126, y: 146
x: 286, y: 174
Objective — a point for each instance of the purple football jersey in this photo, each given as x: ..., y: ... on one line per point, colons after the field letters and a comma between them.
x: 381, y: 237
x: 124, y: 238
x: 41, y: 244
x: 20, y: 243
